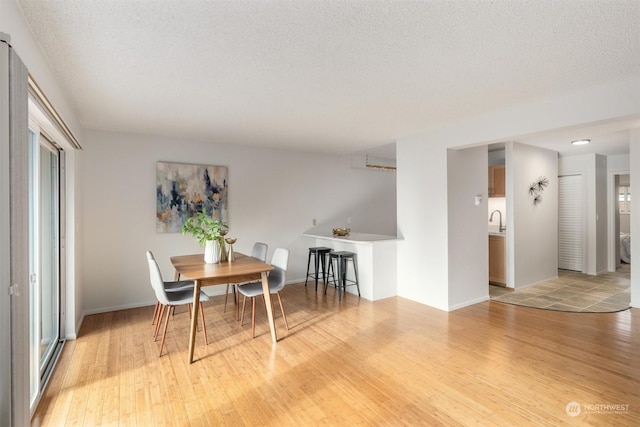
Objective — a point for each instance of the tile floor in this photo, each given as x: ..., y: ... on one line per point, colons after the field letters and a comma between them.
x: 573, y: 291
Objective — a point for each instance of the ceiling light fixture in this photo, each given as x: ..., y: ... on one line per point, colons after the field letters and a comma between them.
x: 581, y: 141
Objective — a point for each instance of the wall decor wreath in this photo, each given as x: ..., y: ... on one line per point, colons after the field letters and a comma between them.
x: 536, y: 188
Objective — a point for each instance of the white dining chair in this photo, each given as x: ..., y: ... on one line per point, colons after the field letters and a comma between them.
x: 277, y: 281
x: 176, y: 286
x: 259, y: 251
x: 171, y: 299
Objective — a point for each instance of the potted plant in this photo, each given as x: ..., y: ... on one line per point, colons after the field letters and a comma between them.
x: 208, y: 232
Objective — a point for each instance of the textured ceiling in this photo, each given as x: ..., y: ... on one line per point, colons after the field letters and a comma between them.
x: 326, y: 76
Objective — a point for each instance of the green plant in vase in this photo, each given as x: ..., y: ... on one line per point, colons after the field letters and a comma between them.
x: 208, y: 232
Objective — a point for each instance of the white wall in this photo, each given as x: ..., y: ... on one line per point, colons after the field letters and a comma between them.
x: 625, y: 223
x: 496, y: 157
x: 423, y: 223
x: 634, y: 162
x: 423, y: 256
x: 466, y: 179
x: 273, y: 197
x: 533, y: 229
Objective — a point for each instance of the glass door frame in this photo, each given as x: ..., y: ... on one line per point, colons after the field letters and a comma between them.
x: 41, y: 367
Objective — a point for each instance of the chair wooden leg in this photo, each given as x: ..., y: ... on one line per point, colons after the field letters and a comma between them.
x: 156, y: 309
x: 164, y: 333
x: 253, y: 317
x: 204, y: 325
x: 236, y: 296
x: 282, y: 310
x: 164, y: 313
x: 244, y: 303
x: 155, y: 330
x: 159, y: 321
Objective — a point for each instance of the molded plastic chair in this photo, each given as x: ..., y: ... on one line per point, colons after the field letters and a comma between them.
x: 171, y: 299
x: 277, y: 280
x: 181, y: 285
x: 259, y: 251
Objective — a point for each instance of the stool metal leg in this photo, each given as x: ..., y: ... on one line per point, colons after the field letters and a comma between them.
x: 323, y: 260
x: 341, y: 283
x: 317, y: 255
x: 331, y: 273
x: 344, y: 275
x: 308, y: 263
x: 329, y: 268
x: 355, y: 271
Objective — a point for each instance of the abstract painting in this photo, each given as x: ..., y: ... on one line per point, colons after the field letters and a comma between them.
x: 183, y: 190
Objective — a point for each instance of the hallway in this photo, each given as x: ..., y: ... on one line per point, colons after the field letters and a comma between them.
x: 573, y: 292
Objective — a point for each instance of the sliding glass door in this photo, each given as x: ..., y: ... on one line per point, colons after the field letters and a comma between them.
x: 45, y: 307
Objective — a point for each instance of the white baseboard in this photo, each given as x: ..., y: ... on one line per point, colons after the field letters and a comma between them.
x: 468, y: 303
x: 117, y: 308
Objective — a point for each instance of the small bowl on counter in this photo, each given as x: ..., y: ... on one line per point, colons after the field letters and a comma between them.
x: 341, y: 232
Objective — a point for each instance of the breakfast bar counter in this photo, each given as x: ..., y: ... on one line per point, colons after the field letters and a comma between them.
x: 377, y: 265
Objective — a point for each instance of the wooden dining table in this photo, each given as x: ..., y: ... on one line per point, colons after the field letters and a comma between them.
x: 242, y: 269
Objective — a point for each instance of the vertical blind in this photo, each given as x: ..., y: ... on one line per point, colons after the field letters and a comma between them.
x: 13, y: 137
x: 570, y: 222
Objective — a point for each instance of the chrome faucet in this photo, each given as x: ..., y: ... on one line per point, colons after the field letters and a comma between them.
x: 500, y: 227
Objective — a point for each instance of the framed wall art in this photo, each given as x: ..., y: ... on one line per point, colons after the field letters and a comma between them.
x: 183, y: 190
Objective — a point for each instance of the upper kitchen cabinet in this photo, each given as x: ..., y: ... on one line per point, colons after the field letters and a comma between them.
x: 497, y: 179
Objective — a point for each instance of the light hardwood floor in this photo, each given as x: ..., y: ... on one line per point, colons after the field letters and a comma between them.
x: 390, y: 362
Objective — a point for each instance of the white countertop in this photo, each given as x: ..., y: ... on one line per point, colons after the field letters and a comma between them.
x: 356, y: 237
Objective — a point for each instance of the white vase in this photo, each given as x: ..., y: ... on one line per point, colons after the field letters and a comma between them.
x: 212, y: 252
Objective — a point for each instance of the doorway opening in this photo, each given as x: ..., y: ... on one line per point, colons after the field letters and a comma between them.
x: 623, y: 220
